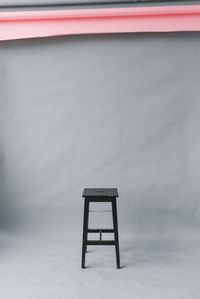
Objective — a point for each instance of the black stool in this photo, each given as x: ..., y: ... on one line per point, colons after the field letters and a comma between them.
x: 100, y: 195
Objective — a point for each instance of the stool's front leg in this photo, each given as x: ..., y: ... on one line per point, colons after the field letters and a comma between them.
x: 85, y: 231
x: 115, y: 224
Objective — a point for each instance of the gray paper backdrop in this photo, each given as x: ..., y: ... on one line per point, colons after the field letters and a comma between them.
x: 101, y: 111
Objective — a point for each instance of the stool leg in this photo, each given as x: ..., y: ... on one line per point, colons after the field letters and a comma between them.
x: 115, y: 224
x: 85, y: 232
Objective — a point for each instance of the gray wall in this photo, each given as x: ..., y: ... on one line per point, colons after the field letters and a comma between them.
x: 101, y: 111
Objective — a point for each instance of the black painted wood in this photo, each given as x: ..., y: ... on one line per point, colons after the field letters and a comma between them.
x: 100, y: 192
x: 115, y: 224
x: 98, y: 230
x: 105, y: 242
x: 100, y: 195
x: 85, y: 233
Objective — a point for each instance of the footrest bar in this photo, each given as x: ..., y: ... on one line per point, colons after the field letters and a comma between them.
x: 101, y: 211
x: 103, y: 230
x: 105, y: 242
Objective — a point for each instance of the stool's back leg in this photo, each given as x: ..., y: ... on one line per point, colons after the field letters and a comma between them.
x: 85, y: 231
x: 115, y: 224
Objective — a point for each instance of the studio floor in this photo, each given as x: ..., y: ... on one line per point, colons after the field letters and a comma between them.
x: 46, y: 264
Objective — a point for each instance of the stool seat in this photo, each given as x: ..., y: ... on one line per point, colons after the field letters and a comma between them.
x: 100, y: 192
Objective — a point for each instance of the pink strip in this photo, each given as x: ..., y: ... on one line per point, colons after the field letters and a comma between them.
x: 29, y: 24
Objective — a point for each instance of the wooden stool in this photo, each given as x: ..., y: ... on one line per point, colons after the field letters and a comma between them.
x: 100, y: 195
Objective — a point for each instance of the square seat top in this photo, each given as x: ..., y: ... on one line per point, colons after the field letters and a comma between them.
x: 95, y: 192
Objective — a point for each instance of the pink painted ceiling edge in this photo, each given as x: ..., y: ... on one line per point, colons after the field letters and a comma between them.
x: 32, y: 24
